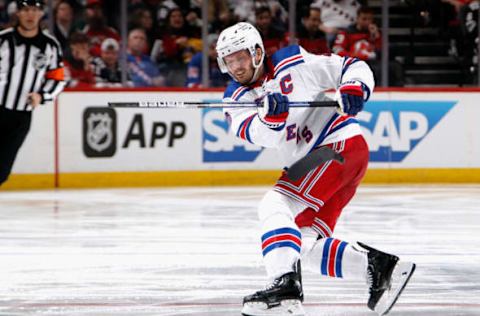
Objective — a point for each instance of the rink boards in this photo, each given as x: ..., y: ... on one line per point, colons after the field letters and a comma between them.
x: 414, y: 136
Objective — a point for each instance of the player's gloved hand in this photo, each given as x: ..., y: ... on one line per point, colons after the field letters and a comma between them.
x: 273, y: 111
x: 350, y: 97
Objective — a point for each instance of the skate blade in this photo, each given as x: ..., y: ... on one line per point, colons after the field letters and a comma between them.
x: 401, y: 275
x: 286, y: 308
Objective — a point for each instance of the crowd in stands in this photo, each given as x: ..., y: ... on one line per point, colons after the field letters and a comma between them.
x: 164, y: 36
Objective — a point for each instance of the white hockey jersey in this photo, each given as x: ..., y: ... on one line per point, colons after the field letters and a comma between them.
x: 300, y: 76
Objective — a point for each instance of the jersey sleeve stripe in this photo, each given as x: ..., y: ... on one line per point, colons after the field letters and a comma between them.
x: 347, y: 62
x: 239, y: 93
x: 243, y: 131
x: 338, y: 259
x: 286, y: 61
x: 350, y: 120
x: 323, y: 134
x: 291, y: 62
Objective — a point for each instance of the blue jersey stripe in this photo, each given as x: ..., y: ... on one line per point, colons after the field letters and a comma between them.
x: 288, y: 66
x: 281, y: 231
x: 345, y: 67
x: 324, y: 132
x: 281, y: 244
x: 325, y: 255
x: 241, y: 94
x: 231, y: 88
x: 284, y: 53
x: 343, y: 124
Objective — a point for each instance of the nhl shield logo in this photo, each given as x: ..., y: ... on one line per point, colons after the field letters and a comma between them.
x: 99, y: 132
x: 39, y: 61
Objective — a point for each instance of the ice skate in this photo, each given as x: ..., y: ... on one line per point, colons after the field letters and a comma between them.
x: 284, y: 296
x: 386, y: 279
x: 400, y: 277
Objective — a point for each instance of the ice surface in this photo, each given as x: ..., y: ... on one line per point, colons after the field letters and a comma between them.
x: 195, y: 251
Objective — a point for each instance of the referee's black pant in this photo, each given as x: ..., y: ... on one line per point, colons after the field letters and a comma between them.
x: 14, y: 127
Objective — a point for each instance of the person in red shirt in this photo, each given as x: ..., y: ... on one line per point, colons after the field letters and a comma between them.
x: 309, y: 35
x: 96, y: 29
x: 79, y: 70
x: 361, y: 39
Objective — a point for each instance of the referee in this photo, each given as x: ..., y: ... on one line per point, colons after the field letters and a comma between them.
x: 31, y: 74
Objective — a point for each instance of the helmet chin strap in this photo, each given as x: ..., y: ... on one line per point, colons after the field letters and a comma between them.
x: 257, y: 67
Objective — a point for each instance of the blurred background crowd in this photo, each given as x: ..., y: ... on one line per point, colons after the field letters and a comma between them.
x: 430, y: 42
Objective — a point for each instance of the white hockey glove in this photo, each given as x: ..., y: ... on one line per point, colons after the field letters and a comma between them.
x: 350, y: 97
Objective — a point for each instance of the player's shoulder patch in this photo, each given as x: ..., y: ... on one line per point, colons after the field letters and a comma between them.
x: 235, y: 91
x: 286, y: 57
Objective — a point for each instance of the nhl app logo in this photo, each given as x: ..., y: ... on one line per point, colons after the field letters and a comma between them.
x: 99, y: 132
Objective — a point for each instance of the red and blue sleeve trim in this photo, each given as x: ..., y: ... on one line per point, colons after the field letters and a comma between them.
x: 287, y: 63
x: 282, y: 237
x: 336, y: 123
x: 237, y: 94
x: 235, y: 91
x: 349, y: 120
x: 243, y: 131
x: 347, y: 62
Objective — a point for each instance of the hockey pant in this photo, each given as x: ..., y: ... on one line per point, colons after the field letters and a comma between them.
x: 295, y: 214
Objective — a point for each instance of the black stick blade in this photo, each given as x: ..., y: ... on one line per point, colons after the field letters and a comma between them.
x: 311, y: 161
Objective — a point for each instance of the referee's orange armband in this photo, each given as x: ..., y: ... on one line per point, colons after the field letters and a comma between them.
x: 56, y: 74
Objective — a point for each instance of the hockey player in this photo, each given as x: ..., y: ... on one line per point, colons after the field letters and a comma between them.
x: 298, y: 217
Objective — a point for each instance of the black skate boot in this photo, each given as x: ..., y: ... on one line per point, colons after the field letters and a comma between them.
x: 387, y: 279
x: 283, y: 297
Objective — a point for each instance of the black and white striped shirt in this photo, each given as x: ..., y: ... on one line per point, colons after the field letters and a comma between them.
x: 29, y: 65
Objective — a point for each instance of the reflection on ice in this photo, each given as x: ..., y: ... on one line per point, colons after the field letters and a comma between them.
x: 194, y: 251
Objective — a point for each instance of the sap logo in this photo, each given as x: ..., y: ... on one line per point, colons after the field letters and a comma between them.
x: 221, y: 146
x: 394, y: 128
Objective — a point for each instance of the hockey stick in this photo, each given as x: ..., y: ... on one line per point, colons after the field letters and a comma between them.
x: 312, y: 160
x: 299, y: 169
x: 203, y: 105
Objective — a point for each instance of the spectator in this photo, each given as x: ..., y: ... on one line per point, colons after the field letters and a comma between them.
x: 106, y: 67
x: 9, y: 18
x: 223, y: 20
x: 143, y: 71
x: 194, y: 69
x: 273, y: 36
x: 142, y: 18
x: 159, y: 10
x: 78, y: 66
x: 242, y: 9
x: 4, y: 14
x: 309, y: 35
x: 96, y: 28
x: 64, y: 23
x: 469, y: 29
x: 175, y: 47
x: 336, y: 15
x: 218, y: 14
x: 362, y: 40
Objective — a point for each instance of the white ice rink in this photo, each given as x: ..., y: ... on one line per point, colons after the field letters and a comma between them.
x: 194, y: 251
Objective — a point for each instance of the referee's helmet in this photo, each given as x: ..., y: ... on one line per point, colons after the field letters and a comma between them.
x: 33, y: 3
